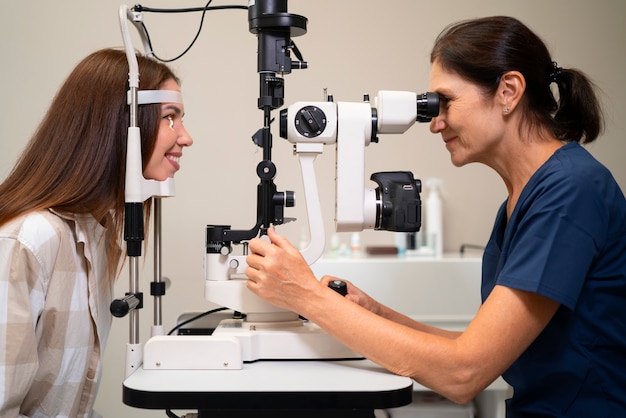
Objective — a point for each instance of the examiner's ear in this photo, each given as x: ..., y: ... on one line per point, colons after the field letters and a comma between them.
x: 511, y: 89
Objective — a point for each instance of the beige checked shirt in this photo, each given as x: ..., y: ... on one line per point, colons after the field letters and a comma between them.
x: 54, y: 314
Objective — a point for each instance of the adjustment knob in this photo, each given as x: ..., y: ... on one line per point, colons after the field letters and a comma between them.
x: 339, y: 286
x: 225, y: 250
x: 121, y: 307
x: 310, y: 121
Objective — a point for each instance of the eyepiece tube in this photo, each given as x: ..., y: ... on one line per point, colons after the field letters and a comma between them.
x: 427, y: 106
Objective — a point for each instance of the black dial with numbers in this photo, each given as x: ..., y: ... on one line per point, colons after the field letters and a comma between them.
x: 310, y: 121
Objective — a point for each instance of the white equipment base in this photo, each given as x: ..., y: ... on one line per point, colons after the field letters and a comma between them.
x: 236, y: 341
x: 292, y: 340
x: 192, y: 352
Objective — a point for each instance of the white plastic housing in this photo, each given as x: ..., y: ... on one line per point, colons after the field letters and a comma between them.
x: 295, y: 340
x: 397, y: 111
x: 354, y: 133
x: 328, y: 135
x: 234, y: 295
x: 192, y: 352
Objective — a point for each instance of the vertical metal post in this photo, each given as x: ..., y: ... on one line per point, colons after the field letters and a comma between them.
x: 133, y: 318
x: 157, y: 260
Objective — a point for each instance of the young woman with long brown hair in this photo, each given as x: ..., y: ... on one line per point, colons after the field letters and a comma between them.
x: 61, y: 222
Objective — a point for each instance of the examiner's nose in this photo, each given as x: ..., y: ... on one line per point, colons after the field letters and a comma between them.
x: 437, y: 125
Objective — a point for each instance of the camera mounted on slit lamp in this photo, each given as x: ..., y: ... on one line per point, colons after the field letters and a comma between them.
x: 395, y: 205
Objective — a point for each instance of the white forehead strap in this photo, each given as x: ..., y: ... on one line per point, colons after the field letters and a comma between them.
x: 156, y: 96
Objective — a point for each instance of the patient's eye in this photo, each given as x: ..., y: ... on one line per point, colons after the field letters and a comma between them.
x: 170, y: 119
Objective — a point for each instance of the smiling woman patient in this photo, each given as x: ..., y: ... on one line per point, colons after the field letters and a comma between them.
x: 61, y: 220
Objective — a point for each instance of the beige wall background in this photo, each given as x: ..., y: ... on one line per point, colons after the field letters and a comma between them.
x: 353, y: 47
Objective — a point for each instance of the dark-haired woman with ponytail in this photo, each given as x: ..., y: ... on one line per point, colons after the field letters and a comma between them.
x: 553, y: 317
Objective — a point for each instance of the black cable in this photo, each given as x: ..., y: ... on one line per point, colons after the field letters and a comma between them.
x: 170, y: 414
x: 473, y: 246
x: 195, y: 318
x: 140, y: 8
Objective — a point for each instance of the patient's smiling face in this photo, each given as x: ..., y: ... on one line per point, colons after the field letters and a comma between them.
x: 172, y: 137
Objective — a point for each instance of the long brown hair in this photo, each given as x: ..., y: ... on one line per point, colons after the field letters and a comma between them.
x: 75, y: 161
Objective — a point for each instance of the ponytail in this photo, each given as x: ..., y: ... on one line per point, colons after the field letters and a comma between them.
x: 578, y: 116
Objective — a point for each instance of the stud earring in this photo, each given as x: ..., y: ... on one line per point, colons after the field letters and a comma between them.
x: 506, y: 110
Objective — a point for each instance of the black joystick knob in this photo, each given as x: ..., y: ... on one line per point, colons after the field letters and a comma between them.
x: 339, y: 286
x: 121, y: 307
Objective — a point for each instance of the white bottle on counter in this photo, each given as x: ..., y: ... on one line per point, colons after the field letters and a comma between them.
x: 434, y: 217
x: 401, y: 239
x: 355, y: 245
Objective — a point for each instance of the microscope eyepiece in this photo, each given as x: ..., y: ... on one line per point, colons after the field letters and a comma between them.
x: 427, y: 106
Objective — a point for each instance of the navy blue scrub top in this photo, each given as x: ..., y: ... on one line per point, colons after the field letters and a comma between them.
x: 566, y: 240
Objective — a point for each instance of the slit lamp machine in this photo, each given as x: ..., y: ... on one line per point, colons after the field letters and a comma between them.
x: 263, y: 331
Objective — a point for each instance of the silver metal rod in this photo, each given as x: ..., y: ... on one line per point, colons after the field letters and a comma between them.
x: 133, y: 107
x: 134, y: 288
x: 158, y: 320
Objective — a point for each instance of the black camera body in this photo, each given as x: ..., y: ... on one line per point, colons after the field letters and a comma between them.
x: 398, y: 203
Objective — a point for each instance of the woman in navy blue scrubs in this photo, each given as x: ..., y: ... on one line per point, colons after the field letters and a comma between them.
x: 553, y: 318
